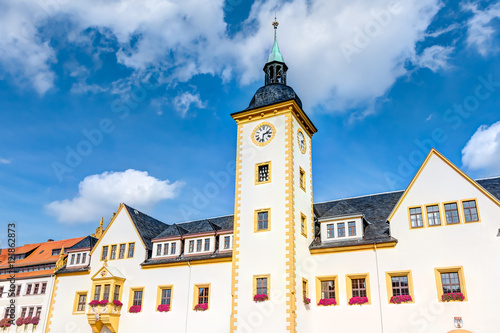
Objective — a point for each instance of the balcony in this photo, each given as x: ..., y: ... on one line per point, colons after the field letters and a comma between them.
x: 104, y: 315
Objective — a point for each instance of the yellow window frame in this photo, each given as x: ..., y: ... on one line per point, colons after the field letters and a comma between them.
x: 348, y: 280
x: 302, y: 179
x: 441, y: 216
x: 128, y: 249
x: 409, y: 217
x: 256, y: 220
x: 388, y: 282
x: 303, y: 225
x: 461, y: 279
x: 102, y: 252
x: 335, y: 280
x: 477, y: 209
x: 306, y: 291
x: 158, y: 295
x: 131, y: 296
x: 458, y: 212
x: 77, y: 298
x: 257, y: 173
x: 260, y: 276
x: 197, y: 290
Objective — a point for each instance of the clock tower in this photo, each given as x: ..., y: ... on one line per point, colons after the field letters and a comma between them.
x: 273, y: 214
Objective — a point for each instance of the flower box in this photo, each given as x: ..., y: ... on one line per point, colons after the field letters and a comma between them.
x: 27, y: 321
x: 260, y: 298
x: 452, y: 297
x: 307, y: 300
x: 327, y: 301
x: 163, y: 308
x: 358, y: 300
x: 103, y: 302
x: 20, y: 321
x: 94, y: 303
x: 117, y: 303
x: 135, y: 309
x: 401, y: 299
x: 201, y: 307
x: 5, y: 323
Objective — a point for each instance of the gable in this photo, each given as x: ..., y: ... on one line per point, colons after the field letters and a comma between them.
x: 437, y: 181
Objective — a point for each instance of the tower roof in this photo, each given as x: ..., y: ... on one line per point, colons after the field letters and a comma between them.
x: 275, y: 52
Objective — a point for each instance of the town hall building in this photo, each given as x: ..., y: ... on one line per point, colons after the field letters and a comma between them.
x: 418, y: 260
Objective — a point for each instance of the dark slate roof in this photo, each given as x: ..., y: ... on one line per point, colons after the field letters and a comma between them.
x: 491, y: 185
x: 199, y: 226
x: 73, y: 269
x: 183, y: 258
x: 272, y: 94
x: 87, y: 242
x: 147, y: 226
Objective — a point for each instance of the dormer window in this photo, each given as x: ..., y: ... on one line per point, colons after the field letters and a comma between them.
x: 352, y: 228
x: 173, y: 248
x: 165, y: 249
x: 341, y: 229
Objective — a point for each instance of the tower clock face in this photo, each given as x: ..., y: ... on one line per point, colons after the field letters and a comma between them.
x: 302, y: 141
x: 263, y: 134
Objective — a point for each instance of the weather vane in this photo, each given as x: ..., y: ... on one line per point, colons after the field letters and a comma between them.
x: 275, y: 23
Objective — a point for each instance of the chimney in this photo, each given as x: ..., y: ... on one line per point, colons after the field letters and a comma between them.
x: 50, y: 240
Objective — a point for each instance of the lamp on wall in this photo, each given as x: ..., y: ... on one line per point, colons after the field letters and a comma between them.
x: 458, y: 322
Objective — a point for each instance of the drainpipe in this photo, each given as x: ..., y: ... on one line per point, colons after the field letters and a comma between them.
x: 187, y: 305
x: 378, y: 286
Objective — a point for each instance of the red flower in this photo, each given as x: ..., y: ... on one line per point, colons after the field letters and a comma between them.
x: 452, y: 297
x: 103, y: 302
x: 94, y: 303
x: 358, y: 300
x: 135, y: 309
x: 400, y: 299
x: 27, y: 321
x: 35, y: 320
x: 163, y: 308
x: 260, y: 298
x: 201, y: 307
x: 117, y: 303
x: 20, y: 321
x: 327, y: 301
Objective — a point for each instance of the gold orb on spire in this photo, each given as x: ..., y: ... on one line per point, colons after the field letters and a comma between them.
x: 275, y: 23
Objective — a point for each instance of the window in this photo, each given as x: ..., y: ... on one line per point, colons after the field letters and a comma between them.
x: 191, y: 245
x: 341, y: 229
x: 137, y: 298
x: 227, y: 240
x: 38, y: 311
x: 399, y: 283
x: 302, y: 179
x: 18, y: 290
x: 470, y: 211
x: 37, y: 287
x: 72, y: 261
x: 261, y: 222
x: 80, y: 301
x: 303, y: 225
x: 261, y: 286
x: 198, y: 245
x: 326, y: 287
x: 158, y: 249
x: 78, y: 257
x: 31, y: 310
x: 330, y: 230
x: 416, y: 217
x: 116, y: 293
x: 131, y: 247
x: 263, y: 173
x: 23, y: 312
x: 104, y: 253
x: 173, y: 248
x: 113, y: 252
x: 450, y: 280
x: 107, y: 290
x: 121, y: 254
x: 28, y: 289
x: 305, y: 289
x: 164, y: 295
x: 165, y: 249
x: 451, y: 213
x: 97, y: 293
x: 433, y: 216
x: 44, y: 288
x: 207, y: 244
x: 1, y: 292
x: 351, y: 228
x: 84, y: 258
x: 202, y: 295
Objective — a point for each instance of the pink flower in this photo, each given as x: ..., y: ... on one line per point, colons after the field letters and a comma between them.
x: 135, y: 309
x: 327, y: 301
x: 358, y: 300
x: 452, y: 297
x: 201, y: 307
x: 400, y: 299
x: 260, y: 298
x: 163, y: 308
x: 20, y: 321
x: 35, y: 320
x: 307, y: 300
x: 117, y: 303
x: 27, y: 321
x: 94, y: 303
x: 103, y: 302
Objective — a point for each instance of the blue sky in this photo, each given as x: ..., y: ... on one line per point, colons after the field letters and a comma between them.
x: 126, y: 101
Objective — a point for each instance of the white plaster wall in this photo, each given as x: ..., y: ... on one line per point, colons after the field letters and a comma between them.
x: 471, y: 245
x: 262, y: 252
x: 28, y: 300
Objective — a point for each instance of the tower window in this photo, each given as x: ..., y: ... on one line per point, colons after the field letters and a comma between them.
x: 261, y: 222
x: 303, y: 225
x: 263, y: 173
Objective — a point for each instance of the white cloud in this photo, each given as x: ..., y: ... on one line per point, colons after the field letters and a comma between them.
x: 435, y: 57
x: 482, y: 152
x: 5, y: 161
x: 480, y: 32
x: 183, y: 102
x: 183, y: 39
x: 99, y: 194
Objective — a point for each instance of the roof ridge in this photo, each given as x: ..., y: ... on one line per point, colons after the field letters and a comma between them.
x: 487, y: 178
x: 357, y: 197
x: 203, y: 219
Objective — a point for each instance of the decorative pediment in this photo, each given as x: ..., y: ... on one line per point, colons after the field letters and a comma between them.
x: 108, y: 273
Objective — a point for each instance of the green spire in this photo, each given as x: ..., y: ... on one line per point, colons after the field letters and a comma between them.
x: 275, y: 53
